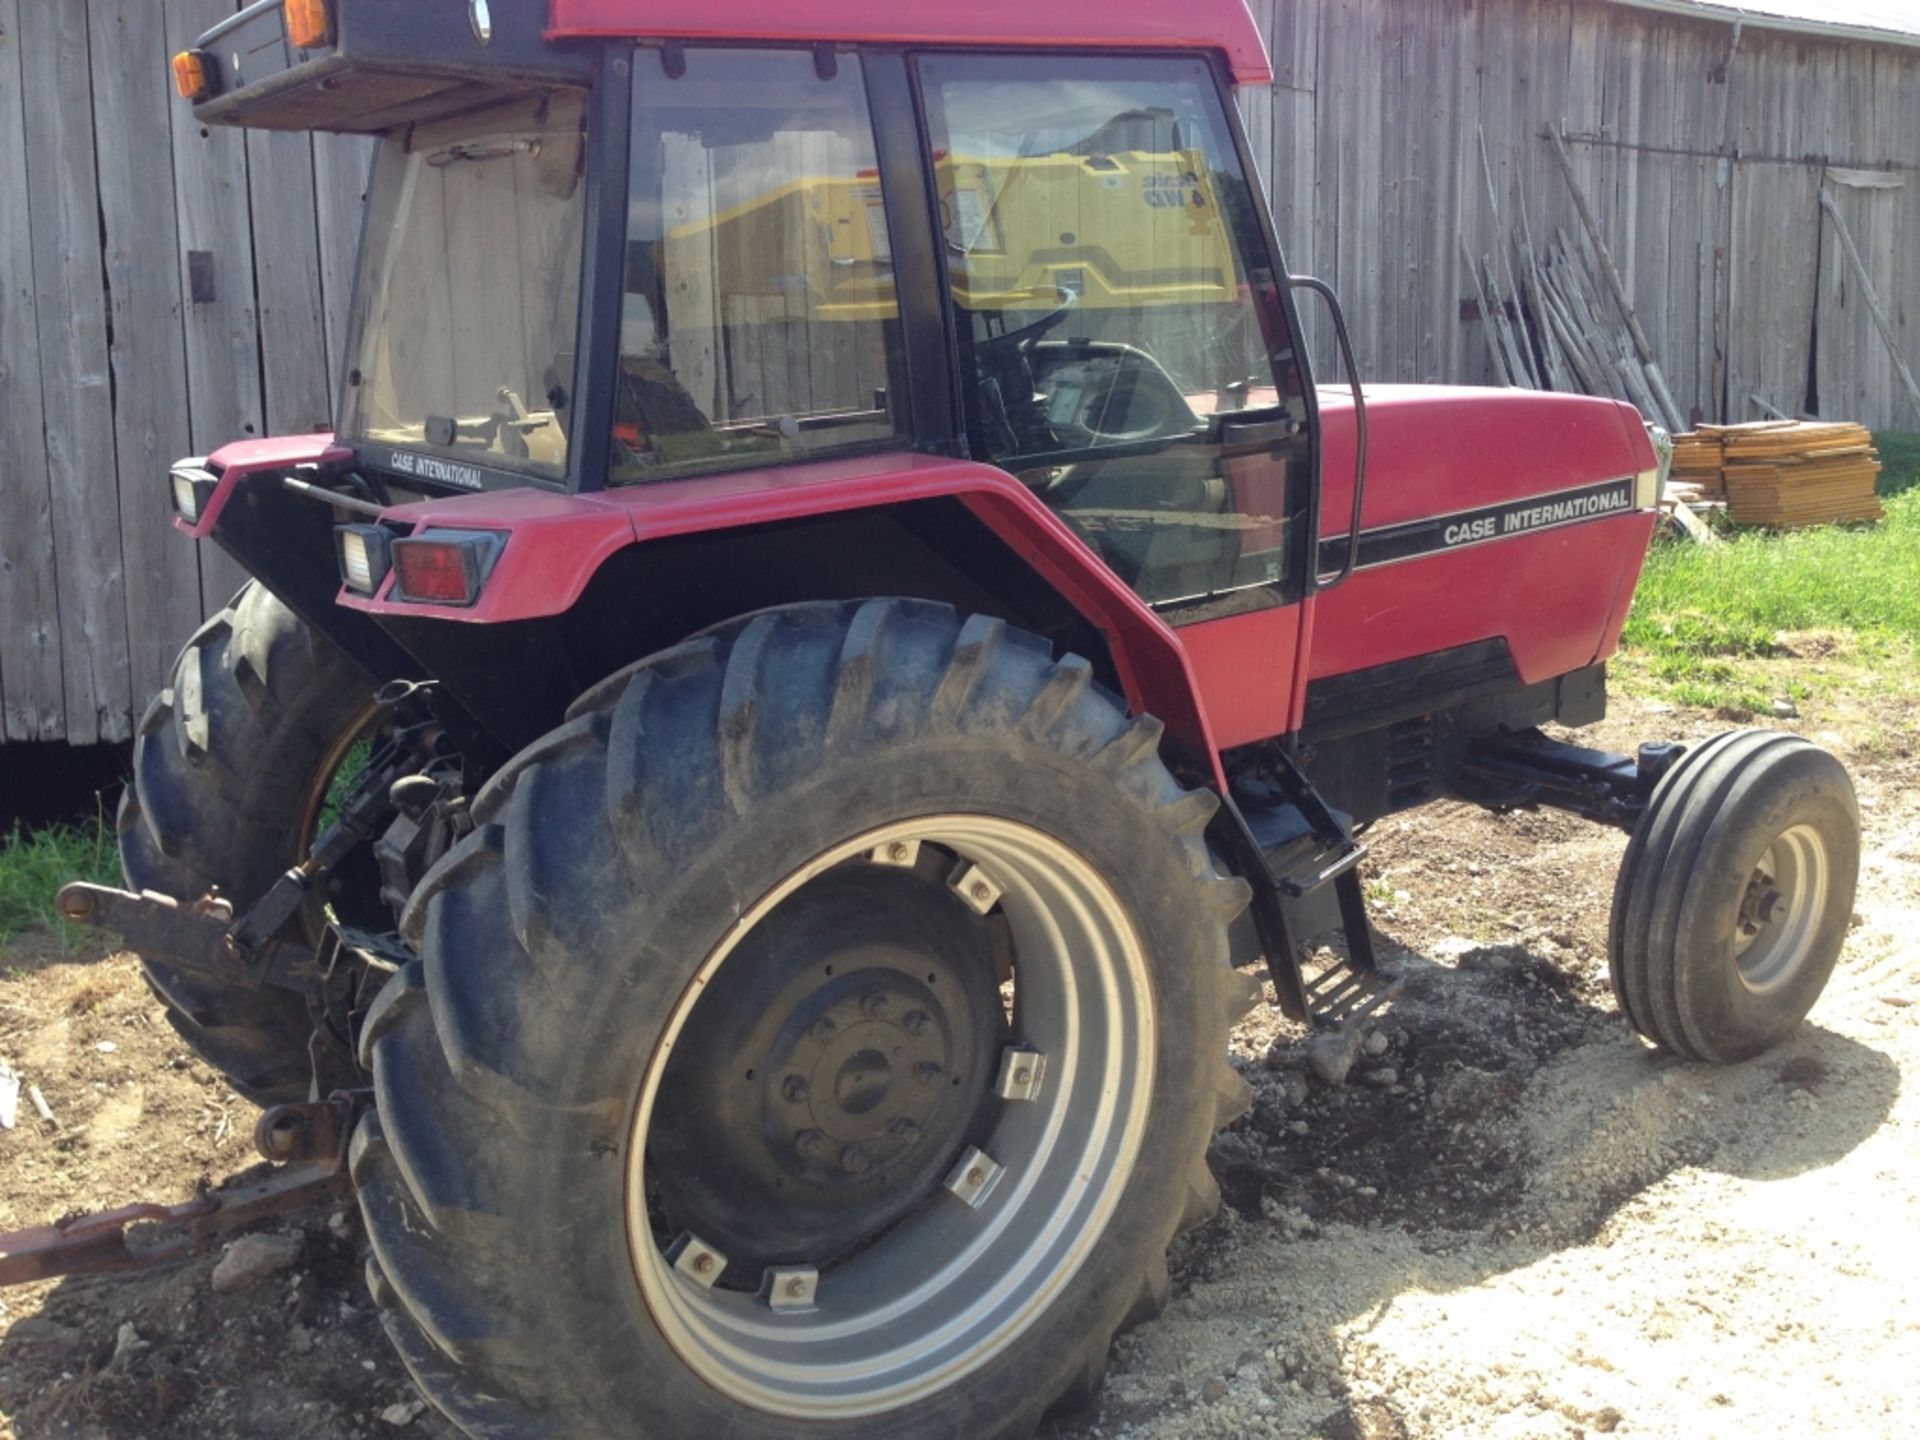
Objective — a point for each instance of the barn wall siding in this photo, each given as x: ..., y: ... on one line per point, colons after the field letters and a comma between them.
x: 1704, y: 157
x: 1703, y: 153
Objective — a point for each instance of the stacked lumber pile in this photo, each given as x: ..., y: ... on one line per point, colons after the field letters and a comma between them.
x: 1780, y: 472
x: 1697, y: 460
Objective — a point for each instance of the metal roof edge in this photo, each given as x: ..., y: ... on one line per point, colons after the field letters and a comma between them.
x: 1792, y: 24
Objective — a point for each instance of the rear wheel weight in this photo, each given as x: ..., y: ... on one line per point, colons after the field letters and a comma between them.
x: 634, y: 876
x: 1735, y: 896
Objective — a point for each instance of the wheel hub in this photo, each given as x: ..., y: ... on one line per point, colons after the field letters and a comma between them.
x: 1780, y: 910
x: 857, y: 1076
x: 831, y: 1072
x: 1761, y: 903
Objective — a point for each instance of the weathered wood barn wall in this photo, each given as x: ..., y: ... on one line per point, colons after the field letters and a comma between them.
x: 164, y: 289
x: 1702, y: 145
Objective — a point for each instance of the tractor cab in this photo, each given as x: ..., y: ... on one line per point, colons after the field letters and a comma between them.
x: 595, y: 262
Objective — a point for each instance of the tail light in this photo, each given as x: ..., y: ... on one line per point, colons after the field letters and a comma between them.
x: 309, y: 23
x: 366, y: 555
x: 444, y: 567
x: 193, y: 487
x: 193, y: 75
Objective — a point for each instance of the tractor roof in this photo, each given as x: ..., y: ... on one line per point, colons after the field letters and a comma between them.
x: 1224, y: 25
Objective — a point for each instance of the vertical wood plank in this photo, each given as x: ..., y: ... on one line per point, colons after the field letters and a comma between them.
x: 341, y: 168
x: 31, y: 701
x: 1467, y: 353
x: 1770, y: 313
x: 222, y: 335
x: 286, y: 254
x: 1256, y: 104
x: 1294, y: 170
x: 130, y: 99
x: 693, y: 315
x: 1897, y: 131
x: 77, y: 395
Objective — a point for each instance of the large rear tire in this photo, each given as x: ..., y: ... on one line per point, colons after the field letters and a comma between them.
x: 229, y: 766
x: 1735, y: 895
x: 636, y: 1166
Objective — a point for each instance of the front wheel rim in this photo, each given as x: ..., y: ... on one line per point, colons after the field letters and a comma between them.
x: 964, y: 1275
x: 1781, y: 910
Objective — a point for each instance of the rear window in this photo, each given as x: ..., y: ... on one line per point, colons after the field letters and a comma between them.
x: 469, y: 294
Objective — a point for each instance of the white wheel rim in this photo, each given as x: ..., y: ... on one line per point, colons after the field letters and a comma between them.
x: 1780, y: 912
x: 952, y: 1285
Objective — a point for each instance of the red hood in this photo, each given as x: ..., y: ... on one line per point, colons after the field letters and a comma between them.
x: 1433, y: 449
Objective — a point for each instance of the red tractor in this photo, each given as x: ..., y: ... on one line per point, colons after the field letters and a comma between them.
x: 834, y: 627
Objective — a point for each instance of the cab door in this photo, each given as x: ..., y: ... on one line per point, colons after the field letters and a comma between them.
x: 1124, y: 342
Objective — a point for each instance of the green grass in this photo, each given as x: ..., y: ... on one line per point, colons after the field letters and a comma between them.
x: 340, y: 787
x: 35, y: 864
x: 1704, y: 614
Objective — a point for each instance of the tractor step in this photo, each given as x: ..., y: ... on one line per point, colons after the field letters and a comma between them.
x: 1302, y: 856
x: 1317, y: 860
x: 1295, y: 845
x: 1343, y: 994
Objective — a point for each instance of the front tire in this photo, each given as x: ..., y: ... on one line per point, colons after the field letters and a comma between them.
x: 1735, y: 895
x: 636, y: 1166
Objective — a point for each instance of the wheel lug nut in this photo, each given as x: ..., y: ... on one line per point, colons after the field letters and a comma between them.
x: 876, y: 1005
x: 904, y: 1129
x: 823, y: 1029
x: 927, y: 1073
x: 917, y: 1022
x: 794, y: 1088
x: 854, y: 1160
x: 809, y: 1142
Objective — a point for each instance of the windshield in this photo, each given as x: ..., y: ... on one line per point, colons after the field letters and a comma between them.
x: 463, y: 326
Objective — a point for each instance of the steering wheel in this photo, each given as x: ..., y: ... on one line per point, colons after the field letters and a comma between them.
x: 1020, y: 339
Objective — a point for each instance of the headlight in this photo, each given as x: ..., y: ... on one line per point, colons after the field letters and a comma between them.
x: 366, y: 554
x: 193, y: 487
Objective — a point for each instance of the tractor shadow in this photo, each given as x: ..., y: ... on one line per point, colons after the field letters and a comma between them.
x: 1510, y: 1115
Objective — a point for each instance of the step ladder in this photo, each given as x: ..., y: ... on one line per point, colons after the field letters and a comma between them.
x: 1300, y: 844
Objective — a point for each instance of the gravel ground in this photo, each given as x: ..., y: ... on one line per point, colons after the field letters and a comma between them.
x: 1512, y: 1220
x: 1519, y: 1221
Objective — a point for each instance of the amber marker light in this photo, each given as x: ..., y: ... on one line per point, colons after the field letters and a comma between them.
x: 309, y: 24
x: 191, y: 75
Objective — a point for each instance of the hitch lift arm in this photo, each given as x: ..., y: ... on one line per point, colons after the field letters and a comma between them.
x: 203, y: 937
x: 313, y: 1138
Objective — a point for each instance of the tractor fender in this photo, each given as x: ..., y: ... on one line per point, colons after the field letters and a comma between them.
x: 556, y: 543
x: 239, y: 462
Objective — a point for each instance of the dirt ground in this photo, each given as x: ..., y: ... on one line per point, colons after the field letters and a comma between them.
x: 1513, y: 1220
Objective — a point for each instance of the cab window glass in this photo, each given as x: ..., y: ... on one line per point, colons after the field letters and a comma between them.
x: 469, y: 292
x: 760, y: 322
x: 1119, y: 322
